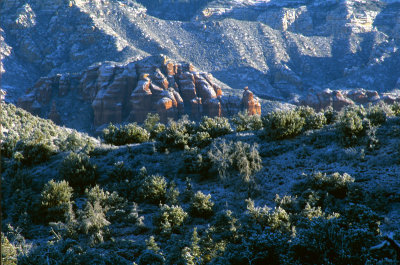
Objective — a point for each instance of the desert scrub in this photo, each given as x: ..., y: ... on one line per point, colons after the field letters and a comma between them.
x: 153, y: 189
x: 8, y: 252
x: 201, y: 205
x: 34, y: 153
x: 245, y: 122
x: 277, y: 219
x: 152, y: 125
x: 56, y: 200
x: 92, y: 222
x: 78, y: 171
x: 120, y: 172
x: 126, y: 134
x: 377, y: 114
x: 169, y: 219
x: 351, y: 126
x: 176, y: 134
x: 331, y: 115
x: 283, y: 124
x: 215, y: 127
x: 335, y: 184
x: 229, y: 158
x: 312, y: 119
x: 200, y: 139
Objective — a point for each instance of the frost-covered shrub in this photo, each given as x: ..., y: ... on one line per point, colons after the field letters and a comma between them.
x: 277, y: 219
x: 153, y: 189
x: 200, y: 139
x: 331, y: 115
x: 8, y: 145
x: 283, y: 124
x: 78, y: 171
x: 396, y: 109
x: 73, y: 142
x: 8, y: 252
x: 120, y: 172
x: 376, y: 114
x: 152, y: 125
x: 176, y: 135
x: 56, y: 200
x: 34, y: 153
x: 335, y: 184
x: 201, y: 205
x: 126, y: 134
x: 93, y: 221
x: 312, y: 120
x: 245, y: 122
x: 215, y: 127
x: 226, y: 226
x: 169, y: 219
x: 193, y: 161
x: 350, y: 125
x: 226, y: 159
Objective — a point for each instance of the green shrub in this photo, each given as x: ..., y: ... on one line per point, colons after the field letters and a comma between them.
x: 8, y: 252
x: 151, y: 121
x: 78, y: 171
x: 73, y: 142
x: 396, y: 109
x: 8, y: 146
x: 193, y: 161
x: 331, y: 115
x: 335, y: 184
x: 152, y: 125
x: 350, y: 125
x: 283, y: 124
x: 227, y: 159
x: 215, y: 127
x: 377, y: 115
x: 226, y: 226
x: 120, y: 172
x: 201, y: 205
x: 127, y: 134
x: 245, y: 122
x: 312, y: 120
x: 93, y: 222
x: 169, y: 219
x: 200, y: 139
x: 34, y: 153
x: 56, y: 200
x: 277, y: 219
x: 154, y: 189
x: 176, y: 135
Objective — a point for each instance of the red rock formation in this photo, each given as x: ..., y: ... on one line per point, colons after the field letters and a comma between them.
x: 119, y: 93
x: 250, y: 103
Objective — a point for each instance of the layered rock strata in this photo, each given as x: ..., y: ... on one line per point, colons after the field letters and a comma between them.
x: 127, y: 93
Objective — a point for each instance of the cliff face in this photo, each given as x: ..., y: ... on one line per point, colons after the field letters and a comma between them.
x: 118, y: 93
x: 283, y: 50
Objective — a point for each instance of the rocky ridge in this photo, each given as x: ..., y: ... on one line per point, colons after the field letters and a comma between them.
x: 128, y: 92
x: 282, y: 50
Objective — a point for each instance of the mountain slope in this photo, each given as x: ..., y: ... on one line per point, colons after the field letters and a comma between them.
x: 279, y: 49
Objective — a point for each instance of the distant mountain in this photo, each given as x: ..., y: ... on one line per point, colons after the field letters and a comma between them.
x: 280, y: 49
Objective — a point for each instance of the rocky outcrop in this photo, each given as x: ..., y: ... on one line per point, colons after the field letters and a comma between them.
x: 128, y: 92
x: 338, y: 99
x: 250, y: 103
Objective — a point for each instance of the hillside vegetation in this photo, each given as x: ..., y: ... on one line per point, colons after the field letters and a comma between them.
x: 291, y: 187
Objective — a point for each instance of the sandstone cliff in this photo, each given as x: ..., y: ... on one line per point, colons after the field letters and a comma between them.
x: 128, y: 92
